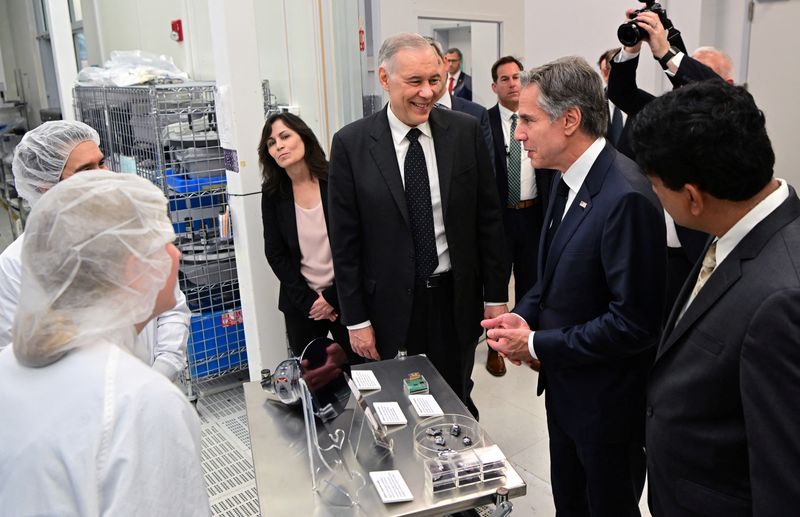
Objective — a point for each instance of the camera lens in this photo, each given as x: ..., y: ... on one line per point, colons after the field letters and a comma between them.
x: 629, y: 34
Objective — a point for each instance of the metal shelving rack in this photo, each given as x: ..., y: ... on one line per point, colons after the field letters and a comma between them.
x: 167, y: 134
x: 11, y: 130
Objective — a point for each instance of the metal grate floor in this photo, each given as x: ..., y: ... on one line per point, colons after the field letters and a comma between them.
x: 227, y: 461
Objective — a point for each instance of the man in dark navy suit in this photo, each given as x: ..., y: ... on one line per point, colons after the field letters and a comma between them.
x: 458, y: 83
x: 593, y: 318
x: 722, y: 417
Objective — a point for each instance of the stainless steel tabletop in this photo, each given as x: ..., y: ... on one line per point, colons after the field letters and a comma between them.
x: 278, y: 440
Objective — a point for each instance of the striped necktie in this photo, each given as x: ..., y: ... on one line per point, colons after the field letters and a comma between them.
x: 514, y: 164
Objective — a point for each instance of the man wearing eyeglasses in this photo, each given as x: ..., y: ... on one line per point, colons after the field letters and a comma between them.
x: 459, y: 84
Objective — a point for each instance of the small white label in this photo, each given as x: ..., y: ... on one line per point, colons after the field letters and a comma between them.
x: 391, y: 486
x: 425, y: 405
x: 390, y: 413
x: 365, y: 380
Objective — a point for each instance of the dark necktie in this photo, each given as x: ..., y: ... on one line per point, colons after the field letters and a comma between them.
x: 559, y: 203
x: 514, y: 164
x: 615, y: 128
x: 420, y: 211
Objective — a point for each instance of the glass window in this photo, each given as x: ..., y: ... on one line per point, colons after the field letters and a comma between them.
x: 75, y: 11
x: 80, y: 49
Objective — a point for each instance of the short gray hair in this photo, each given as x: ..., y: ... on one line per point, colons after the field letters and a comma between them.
x: 715, y: 59
x: 571, y: 82
x: 394, y: 44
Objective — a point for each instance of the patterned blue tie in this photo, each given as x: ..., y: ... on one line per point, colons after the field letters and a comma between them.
x: 514, y: 164
x: 420, y: 210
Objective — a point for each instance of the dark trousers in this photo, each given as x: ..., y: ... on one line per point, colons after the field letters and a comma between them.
x: 301, y: 330
x: 432, y: 332
x: 593, y: 479
x: 523, y: 227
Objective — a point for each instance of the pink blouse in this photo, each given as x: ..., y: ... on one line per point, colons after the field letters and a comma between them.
x: 316, y: 262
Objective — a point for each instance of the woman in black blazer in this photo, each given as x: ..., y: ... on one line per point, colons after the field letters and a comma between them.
x: 295, y: 186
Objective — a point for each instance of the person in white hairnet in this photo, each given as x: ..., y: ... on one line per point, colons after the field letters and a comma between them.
x: 89, y: 429
x: 46, y: 155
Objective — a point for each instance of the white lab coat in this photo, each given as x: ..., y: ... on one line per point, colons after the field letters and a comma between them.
x: 97, y: 433
x: 161, y: 344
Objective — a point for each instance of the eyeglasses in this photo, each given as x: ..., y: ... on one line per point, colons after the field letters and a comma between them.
x: 453, y: 60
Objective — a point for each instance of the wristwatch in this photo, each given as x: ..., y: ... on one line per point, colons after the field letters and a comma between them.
x: 664, y: 60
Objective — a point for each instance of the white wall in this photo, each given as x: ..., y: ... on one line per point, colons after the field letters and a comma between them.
x: 774, y: 81
x: 485, y: 51
x: 145, y: 25
x: 7, y: 60
x: 724, y: 25
x: 393, y: 16
x: 579, y: 27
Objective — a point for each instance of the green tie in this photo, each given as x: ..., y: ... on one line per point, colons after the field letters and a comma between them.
x: 514, y: 165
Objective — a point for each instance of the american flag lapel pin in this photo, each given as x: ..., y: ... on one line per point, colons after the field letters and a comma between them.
x: 583, y: 204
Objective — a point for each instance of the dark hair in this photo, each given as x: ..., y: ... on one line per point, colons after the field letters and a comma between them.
x: 707, y: 133
x: 456, y: 51
x: 275, y: 177
x: 607, y: 56
x: 503, y: 61
x: 570, y: 82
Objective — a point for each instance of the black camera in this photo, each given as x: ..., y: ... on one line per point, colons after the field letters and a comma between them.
x: 629, y: 33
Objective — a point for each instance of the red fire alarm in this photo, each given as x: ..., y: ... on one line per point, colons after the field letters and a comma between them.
x: 177, y: 31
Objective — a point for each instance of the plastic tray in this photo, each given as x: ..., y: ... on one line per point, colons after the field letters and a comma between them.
x: 182, y: 184
x: 424, y: 443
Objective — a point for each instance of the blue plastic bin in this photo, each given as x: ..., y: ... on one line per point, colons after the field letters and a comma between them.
x: 216, y: 343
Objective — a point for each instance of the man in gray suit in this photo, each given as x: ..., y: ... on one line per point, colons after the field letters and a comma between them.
x: 722, y: 418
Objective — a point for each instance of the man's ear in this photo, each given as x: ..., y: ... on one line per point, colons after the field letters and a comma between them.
x: 572, y: 120
x: 383, y: 77
x: 696, y: 199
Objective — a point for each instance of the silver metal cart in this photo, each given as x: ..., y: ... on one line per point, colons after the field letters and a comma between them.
x: 280, y: 455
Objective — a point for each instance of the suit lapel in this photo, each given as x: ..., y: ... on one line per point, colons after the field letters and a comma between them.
x: 444, y: 143
x: 727, y: 273
x: 578, y: 210
x: 543, y: 235
x: 383, y: 152
x: 289, y: 217
x: 323, y: 192
x: 498, y: 138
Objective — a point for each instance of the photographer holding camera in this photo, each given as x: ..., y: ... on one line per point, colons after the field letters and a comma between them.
x: 668, y: 49
x: 652, y: 26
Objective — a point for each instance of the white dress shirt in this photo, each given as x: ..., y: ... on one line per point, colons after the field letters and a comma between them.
x: 574, y: 178
x: 623, y: 56
x: 401, y: 144
x: 527, y: 180
x: 672, y: 233
x: 728, y: 242
x: 455, y: 77
x: 445, y: 101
